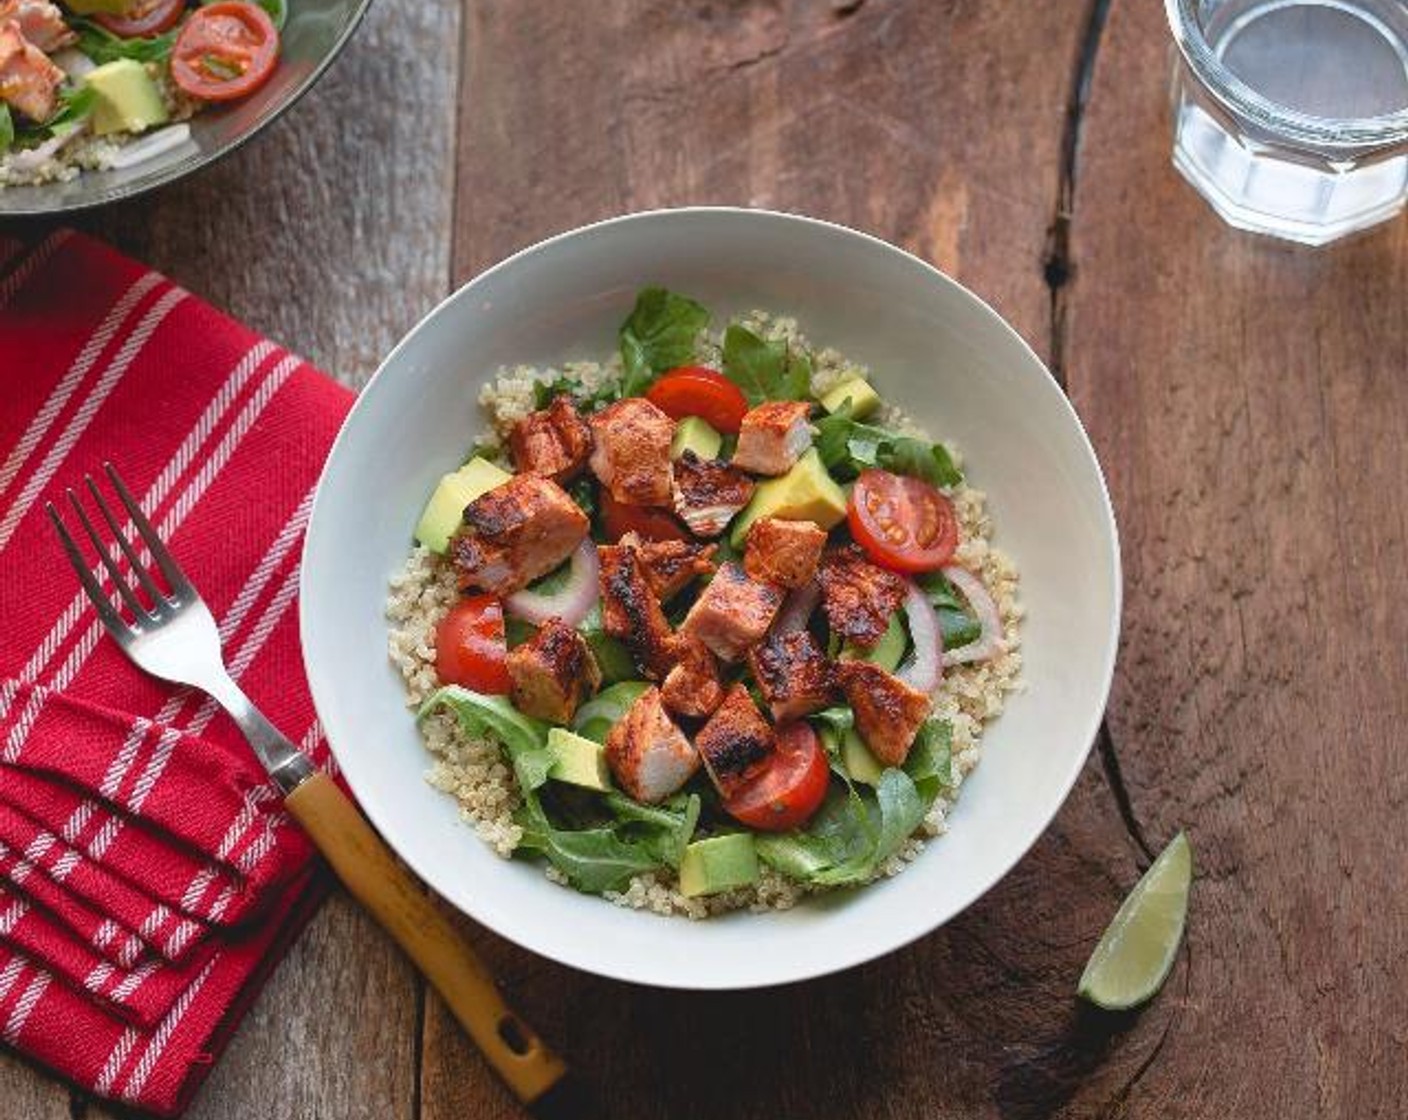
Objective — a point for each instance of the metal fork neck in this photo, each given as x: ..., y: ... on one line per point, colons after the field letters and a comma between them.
x: 287, y: 765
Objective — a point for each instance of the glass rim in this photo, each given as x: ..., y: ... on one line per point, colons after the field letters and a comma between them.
x: 1282, y: 122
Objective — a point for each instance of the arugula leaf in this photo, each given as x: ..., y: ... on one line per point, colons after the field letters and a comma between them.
x: 101, y: 45
x: 847, y: 447
x: 7, y: 128
x: 593, y: 859
x: 958, y: 625
x: 659, y: 334
x: 666, y: 829
x: 930, y: 761
x: 495, y: 717
x: 565, y: 386
x: 765, y: 371
x: 599, y: 715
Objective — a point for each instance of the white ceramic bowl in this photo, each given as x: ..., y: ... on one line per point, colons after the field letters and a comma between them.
x: 936, y: 350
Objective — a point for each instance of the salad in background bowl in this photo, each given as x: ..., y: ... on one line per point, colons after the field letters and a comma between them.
x: 934, y: 352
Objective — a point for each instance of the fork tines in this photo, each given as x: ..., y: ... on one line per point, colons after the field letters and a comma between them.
x: 159, y: 603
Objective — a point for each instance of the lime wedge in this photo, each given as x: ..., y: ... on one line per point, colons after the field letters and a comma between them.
x: 1137, y: 949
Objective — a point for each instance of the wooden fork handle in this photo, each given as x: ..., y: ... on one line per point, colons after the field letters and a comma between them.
x: 374, y: 877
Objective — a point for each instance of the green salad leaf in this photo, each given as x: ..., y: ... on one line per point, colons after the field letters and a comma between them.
x: 7, y: 128
x: 765, y: 371
x: 958, y: 625
x: 593, y: 859
x: 663, y: 829
x: 660, y: 333
x: 101, y: 45
x: 847, y: 447
x: 600, y: 714
x: 857, y: 830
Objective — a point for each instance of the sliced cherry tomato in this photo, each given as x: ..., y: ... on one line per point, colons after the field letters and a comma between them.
x: 470, y: 647
x: 651, y: 522
x: 700, y: 391
x: 146, y: 18
x: 225, y: 51
x: 790, y: 790
x: 902, y: 522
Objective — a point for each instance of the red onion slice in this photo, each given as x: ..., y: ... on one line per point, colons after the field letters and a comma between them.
x: 923, y: 667
x: 990, y: 642
x: 797, y: 608
x: 572, y: 601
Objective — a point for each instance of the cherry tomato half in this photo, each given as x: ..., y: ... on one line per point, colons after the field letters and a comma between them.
x: 146, y: 18
x: 902, y: 523
x: 470, y: 647
x: 225, y: 51
x: 790, y: 790
x: 700, y: 391
x: 651, y: 522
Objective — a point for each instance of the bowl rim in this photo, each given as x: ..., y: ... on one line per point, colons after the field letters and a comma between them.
x: 182, y: 170
x: 788, y: 971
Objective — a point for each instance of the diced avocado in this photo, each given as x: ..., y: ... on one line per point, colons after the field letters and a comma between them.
x: 864, y: 399
x: 719, y: 863
x: 694, y: 434
x: 578, y: 761
x: 805, y: 493
x: 455, y: 491
x: 886, y: 652
x: 127, y: 98
x: 858, y: 760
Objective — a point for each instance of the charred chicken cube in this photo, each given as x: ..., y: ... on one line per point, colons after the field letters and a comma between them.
x: 708, y: 493
x: 773, y: 437
x: 733, y: 613
x: 29, y: 81
x: 670, y: 566
x: 648, y: 755
x: 554, y: 442
x: 632, y: 453
x: 736, y: 742
x: 692, y: 687
x: 859, y: 596
x: 631, y: 611
x: 40, y: 22
x: 516, y: 533
x: 888, y: 712
x: 552, y: 673
x: 793, y: 675
x: 783, y: 552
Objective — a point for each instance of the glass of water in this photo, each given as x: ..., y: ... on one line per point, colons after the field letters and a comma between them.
x: 1291, y: 116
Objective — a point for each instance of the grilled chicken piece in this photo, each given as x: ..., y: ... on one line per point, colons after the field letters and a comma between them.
x: 40, y: 22
x: 783, y: 552
x: 554, y: 442
x: 670, y: 565
x: 708, y: 492
x: 630, y: 610
x: 29, y: 81
x: 516, y: 533
x: 859, y: 596
x: 888, y: 712
x: 793, y: 674
x: 736, y: 742
x: 773, y: 437
x: 733, y: 613
x: 632, y: 453
x: 647, y: 753
x: 692, y: 687
x: 552, y: 673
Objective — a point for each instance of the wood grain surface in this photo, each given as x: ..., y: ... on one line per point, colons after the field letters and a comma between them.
x: 1248, y: 402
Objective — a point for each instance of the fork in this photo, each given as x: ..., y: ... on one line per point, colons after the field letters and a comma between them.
x: 172, y: 635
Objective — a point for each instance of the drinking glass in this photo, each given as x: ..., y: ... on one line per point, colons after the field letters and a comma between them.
x: 1291, y: 116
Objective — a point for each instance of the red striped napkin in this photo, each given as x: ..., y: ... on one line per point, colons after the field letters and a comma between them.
x: 148, y: 877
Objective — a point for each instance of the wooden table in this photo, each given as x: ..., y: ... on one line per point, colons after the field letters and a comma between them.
x: 1249, y: 403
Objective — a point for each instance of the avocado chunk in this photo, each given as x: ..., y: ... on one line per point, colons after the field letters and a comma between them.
x: 445, y: 510
x: 719, y: 863
x: 127, y: 99
x: 805, y: 493
x: 694, y: 434
x: 859, y: 762
x: 864, y: 399
x: 577, y: 761
x: 886, y: 652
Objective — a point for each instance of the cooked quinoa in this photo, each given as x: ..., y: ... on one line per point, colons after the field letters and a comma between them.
x: 473, y: 771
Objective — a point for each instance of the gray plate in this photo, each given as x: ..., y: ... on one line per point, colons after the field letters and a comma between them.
x: 316, y: 30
